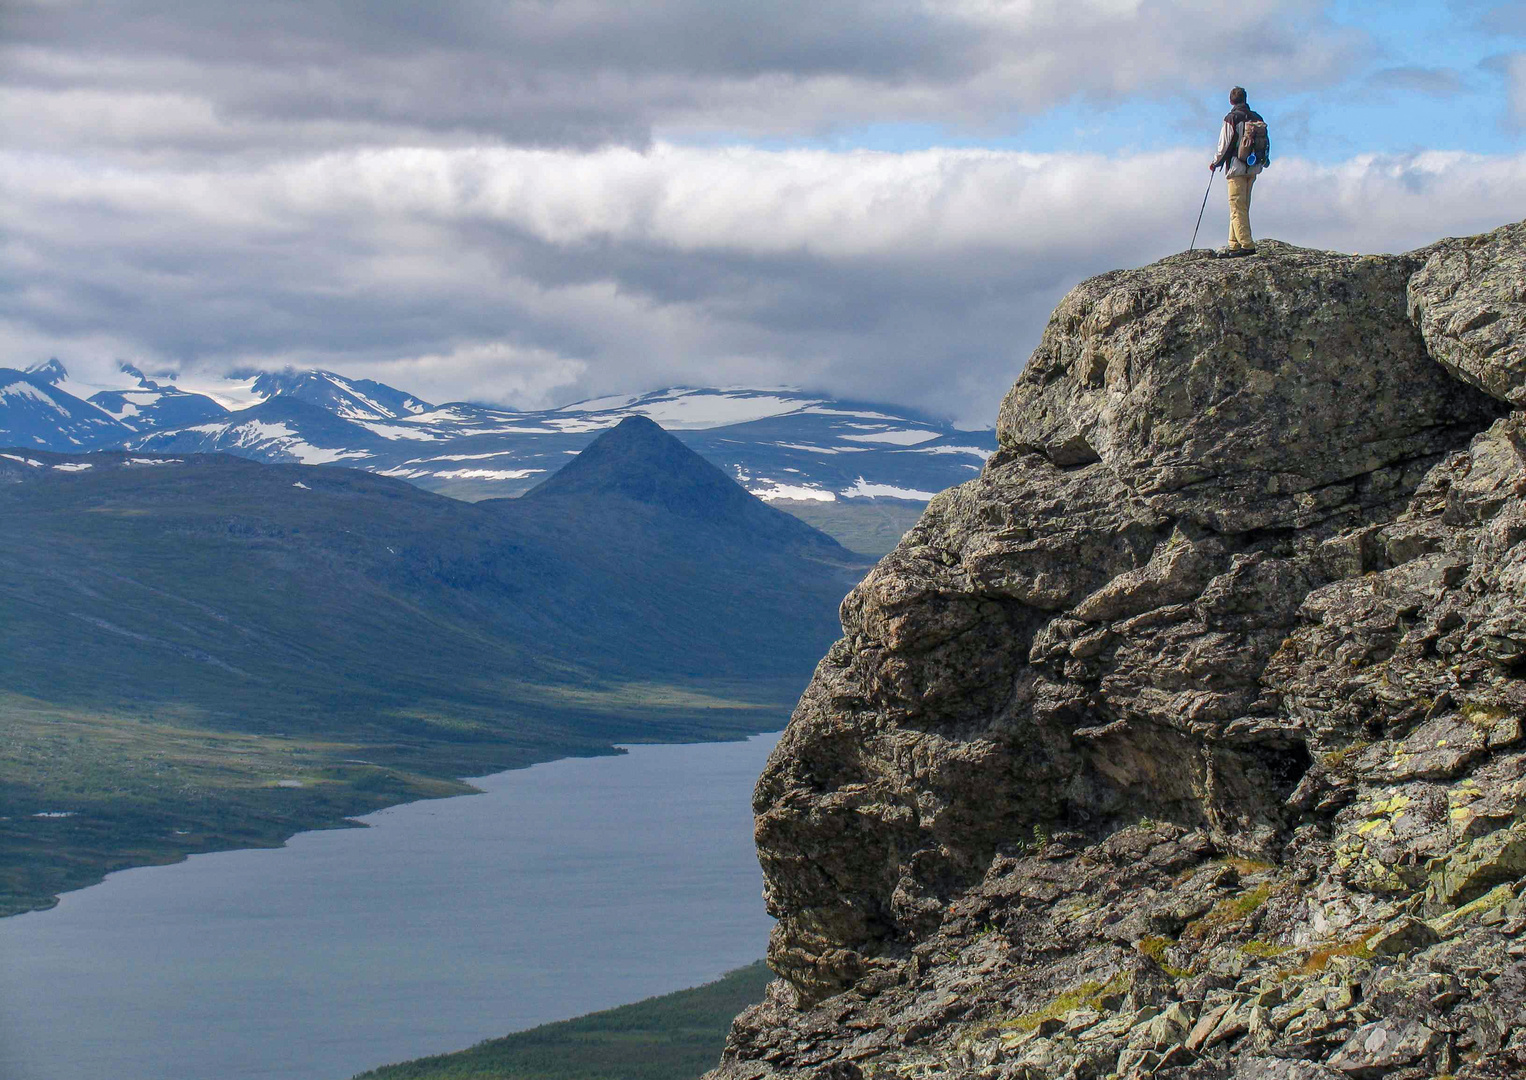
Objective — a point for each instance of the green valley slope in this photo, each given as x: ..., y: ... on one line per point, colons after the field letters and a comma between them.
x: 673, y: 1037
x: 271, y: 647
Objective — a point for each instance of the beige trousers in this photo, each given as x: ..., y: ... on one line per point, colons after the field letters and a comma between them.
x: 1239, y: 212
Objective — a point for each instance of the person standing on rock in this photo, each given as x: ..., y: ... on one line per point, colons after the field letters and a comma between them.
x: 1243, y: 154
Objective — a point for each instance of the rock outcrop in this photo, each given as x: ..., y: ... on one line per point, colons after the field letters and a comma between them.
x: 1469, y: 301
x: 1187, y: 740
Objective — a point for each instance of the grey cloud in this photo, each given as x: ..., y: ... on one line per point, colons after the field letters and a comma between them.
x: 1515, y: 67
x: 1436, y: 82
x: 532, y: 278
x: 1511, y: 67
x: 584, y: 73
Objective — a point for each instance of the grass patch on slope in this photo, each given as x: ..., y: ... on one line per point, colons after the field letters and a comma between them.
x: 87, y: 791
x: 677, y: 1036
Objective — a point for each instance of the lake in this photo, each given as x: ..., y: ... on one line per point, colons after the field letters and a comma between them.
x: 565, y: 888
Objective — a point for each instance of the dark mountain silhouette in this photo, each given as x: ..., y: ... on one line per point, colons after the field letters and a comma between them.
x: 637, y: 461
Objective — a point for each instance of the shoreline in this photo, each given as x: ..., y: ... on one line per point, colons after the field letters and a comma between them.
x: 174, y: 791
x: 549, y: 897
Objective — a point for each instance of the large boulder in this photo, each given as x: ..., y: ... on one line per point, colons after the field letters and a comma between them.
x: 1077, y: 637
x: 1245, y: 395
x: 1469, y: 300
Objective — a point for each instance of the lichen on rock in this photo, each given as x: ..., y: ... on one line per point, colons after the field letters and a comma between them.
x: 1187, y: 739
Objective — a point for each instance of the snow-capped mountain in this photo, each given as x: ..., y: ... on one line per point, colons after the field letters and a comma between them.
x: 155, y: 406
x: 136, y: 401
x: 348, y: 399
x: 781, y: 444
x: 34, y: 412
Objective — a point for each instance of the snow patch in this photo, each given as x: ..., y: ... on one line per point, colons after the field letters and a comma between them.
x: 446, y: 414
x: 602, y: 404
x: 973, y: 451
x: 27, y: 390
x: 394, y: 431
x: 55, y: 813
x: 349, y: 413
x: 486, y: 474
x: 300, y: 484
x: 822, y: 449
x: 684, y: 408
x: 794, y: 491
x: 895, y: 438
x: 23, y: 460
x: 461, y: 457
x: 580, y: 425
x: 255, y: 432
x: 862, y: 489
x: 73, y: 466
x: 698, y: 411
x: 231, y: 394
x: 824, y: 410
x: 154, y: 461
x: 128, y: 409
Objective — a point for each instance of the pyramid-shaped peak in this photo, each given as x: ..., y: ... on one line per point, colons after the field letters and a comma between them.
x: 637, y: 459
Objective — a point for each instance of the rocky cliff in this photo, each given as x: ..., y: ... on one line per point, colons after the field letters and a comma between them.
x: 1186, y: 741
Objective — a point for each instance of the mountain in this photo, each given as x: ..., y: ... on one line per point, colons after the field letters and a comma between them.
x: 781, y: 445
x: 212, y: 628
x: 636, y: 462
x: 349, y: 399
x: 282, y: 429
x: 51, y: 372
x: 858, y: 470
x: 36, y: 413
x: 222, y: 583
x: 1187, y: 740
x: 45, y: 410
x: 153, y: 405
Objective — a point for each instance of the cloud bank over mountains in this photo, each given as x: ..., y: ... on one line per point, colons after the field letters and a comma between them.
x: 219, y: 76
x: 531, y: 203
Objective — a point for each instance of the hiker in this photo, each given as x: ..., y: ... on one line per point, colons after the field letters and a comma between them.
x: 1244, y: 155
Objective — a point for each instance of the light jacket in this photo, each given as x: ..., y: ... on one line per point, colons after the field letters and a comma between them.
x: 1229, y: 143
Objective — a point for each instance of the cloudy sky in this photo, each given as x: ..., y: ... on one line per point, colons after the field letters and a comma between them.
x: 528, y: 202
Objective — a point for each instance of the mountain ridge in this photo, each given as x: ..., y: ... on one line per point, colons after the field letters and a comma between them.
x: 850, y: 467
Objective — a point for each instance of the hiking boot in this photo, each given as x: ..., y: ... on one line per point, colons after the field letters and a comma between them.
x: 1233, y: 253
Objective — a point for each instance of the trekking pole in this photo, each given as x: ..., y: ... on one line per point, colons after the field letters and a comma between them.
x: 1199, y: 224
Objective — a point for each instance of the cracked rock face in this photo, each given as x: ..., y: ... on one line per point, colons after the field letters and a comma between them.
x: 1257, y: 396
x: 1187, y: 740
x: 1469, y: 301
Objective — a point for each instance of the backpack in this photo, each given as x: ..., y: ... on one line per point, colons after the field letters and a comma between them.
x: 1255, y: 147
